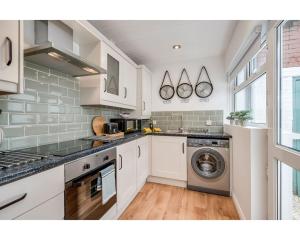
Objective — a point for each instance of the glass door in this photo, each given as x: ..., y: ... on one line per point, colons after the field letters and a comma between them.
x: 284, y: 154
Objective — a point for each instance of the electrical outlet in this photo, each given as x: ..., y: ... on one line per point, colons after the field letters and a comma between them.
x: 154, y: 122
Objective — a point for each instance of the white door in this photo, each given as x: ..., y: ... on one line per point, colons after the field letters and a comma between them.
x: 126, y: 174
x: 169, y: 157
x: 142, y: 161
x: 110, y: 82
x: 146, y: 92
x: 284, y: 120
x: 9, y: 51
x: 128, y: 83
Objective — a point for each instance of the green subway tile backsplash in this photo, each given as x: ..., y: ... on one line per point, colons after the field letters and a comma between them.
x: 48, y: 111
x: 189, y: 120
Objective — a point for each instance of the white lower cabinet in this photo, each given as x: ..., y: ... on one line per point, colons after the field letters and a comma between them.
x: 43, y: 191
x: 169, y: 157
x: 126, y: 174
x: 142, y: 161
x: 132, y: 170
x: 52, y: 209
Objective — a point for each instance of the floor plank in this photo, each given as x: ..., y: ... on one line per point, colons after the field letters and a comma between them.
x: 163, y: 202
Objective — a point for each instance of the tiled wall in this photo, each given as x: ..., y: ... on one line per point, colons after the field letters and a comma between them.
x: 189, y: 120
x: 48, y: 111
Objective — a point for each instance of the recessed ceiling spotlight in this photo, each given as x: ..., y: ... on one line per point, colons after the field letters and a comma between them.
x: 177, y: 46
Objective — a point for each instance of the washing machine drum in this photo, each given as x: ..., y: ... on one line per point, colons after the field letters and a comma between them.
x: 208, y: 163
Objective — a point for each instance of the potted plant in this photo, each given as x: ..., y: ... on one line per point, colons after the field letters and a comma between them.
x: 244, y: 117
x: 231, y: 117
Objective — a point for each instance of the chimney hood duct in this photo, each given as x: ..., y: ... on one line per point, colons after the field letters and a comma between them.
x: 54, y: 49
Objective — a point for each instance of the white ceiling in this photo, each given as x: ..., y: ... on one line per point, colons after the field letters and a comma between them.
x: 150, y: 42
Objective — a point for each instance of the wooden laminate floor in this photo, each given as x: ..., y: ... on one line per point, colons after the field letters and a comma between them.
x: 158, y: 202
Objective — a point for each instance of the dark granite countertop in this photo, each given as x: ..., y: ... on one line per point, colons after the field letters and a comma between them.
x: 16, y: 173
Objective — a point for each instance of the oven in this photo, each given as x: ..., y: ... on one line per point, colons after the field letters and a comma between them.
x: 90, y: 186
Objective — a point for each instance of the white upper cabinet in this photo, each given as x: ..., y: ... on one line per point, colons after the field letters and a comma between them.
x: 11, y: 57
x: 117, y: 88
x: 169, y: 157
x: 144, y: 83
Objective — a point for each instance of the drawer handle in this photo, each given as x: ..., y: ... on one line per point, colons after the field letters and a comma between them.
x: 9, y: 51
x: 183, y: 147
x: 139, y: 151
x: 125, y: 95
x: 18, y: 199
x: 144, y: 105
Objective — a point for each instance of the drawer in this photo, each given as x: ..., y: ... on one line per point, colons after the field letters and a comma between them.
x: 38, y: 189
x: 53, y: 209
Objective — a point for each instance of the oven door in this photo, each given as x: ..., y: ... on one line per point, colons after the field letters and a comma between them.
x: 83, y: 199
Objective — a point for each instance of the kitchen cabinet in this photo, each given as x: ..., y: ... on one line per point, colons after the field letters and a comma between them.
x: 143, y: 103
x: 126, y: 174
x: 11, y: 57
x: 34, y: 196
x: 169, y: 157
x: 142, y: 161
x: 117, y: 88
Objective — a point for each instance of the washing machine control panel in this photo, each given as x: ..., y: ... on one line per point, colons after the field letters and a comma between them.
x: 198, y: 142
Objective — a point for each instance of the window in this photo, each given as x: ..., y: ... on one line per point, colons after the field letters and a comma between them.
x: 250, y: 91
x: 289, y: 84
x: 253, y: 98
x: 259, y: 100
x: 288, y: 192
x: 241, y: 76
x: 258, y: 60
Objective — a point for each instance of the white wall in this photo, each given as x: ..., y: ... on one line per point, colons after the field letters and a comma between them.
x: 215, y: 68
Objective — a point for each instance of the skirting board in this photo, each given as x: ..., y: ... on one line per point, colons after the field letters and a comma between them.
x: 167, y: 181
x: 238, y: 208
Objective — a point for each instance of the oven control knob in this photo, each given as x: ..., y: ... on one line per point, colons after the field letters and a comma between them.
x: 86, y: 166
x: 106, y: 158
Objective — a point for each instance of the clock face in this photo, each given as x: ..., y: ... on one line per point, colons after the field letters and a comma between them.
x: 166, y: 92
x: 184, y: 90
x: 204, y: 89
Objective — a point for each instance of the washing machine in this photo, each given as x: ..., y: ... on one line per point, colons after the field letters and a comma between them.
x: 208, y: 165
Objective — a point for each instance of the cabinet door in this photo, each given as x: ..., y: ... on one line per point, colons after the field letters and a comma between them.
x: 142, y: 161
x: 126, y: 174
x: 53, y: 209
x: 9, y: 51
x: 110, y: 60
x: 128, y: 83
x: 169, y: 157
x: 146, y: 93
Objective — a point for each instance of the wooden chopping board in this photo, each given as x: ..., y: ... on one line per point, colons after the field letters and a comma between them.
x: 97, y: 125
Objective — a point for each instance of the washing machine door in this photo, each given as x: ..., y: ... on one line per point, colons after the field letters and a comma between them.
x: 208, y: 163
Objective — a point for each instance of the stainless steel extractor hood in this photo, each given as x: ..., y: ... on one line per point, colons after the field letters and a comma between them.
x: 54, y: 49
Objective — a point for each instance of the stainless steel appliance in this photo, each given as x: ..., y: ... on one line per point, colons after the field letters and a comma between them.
x: 110, y: 128
x: 128, y: 125
x: 208, y: 165
x: 83, y: 192
x: 53, y: 47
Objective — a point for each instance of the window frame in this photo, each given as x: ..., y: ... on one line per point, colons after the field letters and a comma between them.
x: 250, y: 78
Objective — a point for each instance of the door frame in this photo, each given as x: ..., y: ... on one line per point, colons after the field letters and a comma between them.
x: 276, y: 152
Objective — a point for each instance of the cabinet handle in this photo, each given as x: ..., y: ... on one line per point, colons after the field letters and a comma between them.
x: 144, y: 105
x: 183, y: 148
x: 17, y: 199
x: 139, y: 150
x: 9, y: 51
x: 125, y: 88
x: 121, y: 161
x: 105, y: 89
